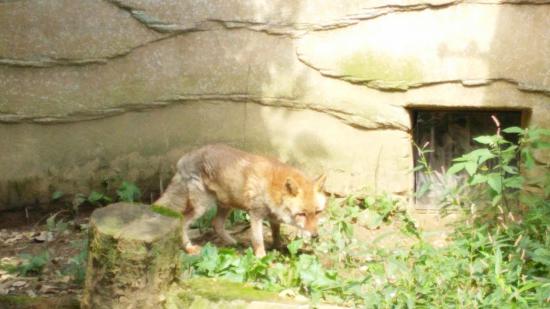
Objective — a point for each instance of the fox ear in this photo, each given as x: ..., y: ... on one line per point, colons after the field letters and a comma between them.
x: 291, y: 187
x: 320, y: 182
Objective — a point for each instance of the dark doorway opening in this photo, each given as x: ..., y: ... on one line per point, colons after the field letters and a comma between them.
x: 449, y: 134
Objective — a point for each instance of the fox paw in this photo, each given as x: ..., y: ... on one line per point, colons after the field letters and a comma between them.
x: 192, y: 249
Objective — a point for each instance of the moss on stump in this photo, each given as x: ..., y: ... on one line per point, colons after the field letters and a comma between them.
x: 133, y: 257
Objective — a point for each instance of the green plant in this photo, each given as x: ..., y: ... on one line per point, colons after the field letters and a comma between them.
x: 306, y: 273
x: 57, y: 195
x: 94, y: 198
x: 98, y: 198
x: 76, y: 268
x: 55, y: 225
x: 31, y: 264
x: 274, y: 271
x: 237, y: 216
x: 128, y: 192
x: 205, y: 221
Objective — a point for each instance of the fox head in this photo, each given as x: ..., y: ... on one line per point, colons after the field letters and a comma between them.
x: 302, y: 200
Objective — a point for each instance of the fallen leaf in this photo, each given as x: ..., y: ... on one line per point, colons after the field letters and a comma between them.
x: 44, y: 289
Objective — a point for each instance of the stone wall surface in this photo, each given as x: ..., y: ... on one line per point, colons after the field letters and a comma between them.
x: 93, y: 90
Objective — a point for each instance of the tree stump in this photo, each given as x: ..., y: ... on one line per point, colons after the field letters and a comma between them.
x: 133, y: 257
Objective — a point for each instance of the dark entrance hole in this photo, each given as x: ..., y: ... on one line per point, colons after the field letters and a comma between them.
x: 450, y: 133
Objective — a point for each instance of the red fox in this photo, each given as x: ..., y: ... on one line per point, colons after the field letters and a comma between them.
x: 233, y: 179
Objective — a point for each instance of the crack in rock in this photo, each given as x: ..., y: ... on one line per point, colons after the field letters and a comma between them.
x: 45, y: 62
x: 298, y: 29
x: 401, y: 86
x: 293, y: 30
x: 347, y: 117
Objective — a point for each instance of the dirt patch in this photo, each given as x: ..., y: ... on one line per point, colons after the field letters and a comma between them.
x: 39, y: 255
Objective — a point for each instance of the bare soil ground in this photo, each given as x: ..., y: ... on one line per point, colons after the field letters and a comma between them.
x: 27, y: 233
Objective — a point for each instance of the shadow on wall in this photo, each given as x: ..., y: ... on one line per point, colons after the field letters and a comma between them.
x: 524, y: 51
x: 133, y: 116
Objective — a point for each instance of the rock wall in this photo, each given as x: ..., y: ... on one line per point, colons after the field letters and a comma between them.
x: 95, y: 90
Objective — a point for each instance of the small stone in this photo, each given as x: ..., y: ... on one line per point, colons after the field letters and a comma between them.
x: 6, y: 276
x: 30, y: 293
x: 3, y: 289
x: 287, y: 293
x: 301, y: 298
x: 57, y: 260
x: 18, y: 284
x: 14, y: 238
x: 65, y: 279
x: 44, y: 289
x: 43, y: 236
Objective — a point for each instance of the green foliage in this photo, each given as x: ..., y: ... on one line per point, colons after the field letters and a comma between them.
x: 98, y: 198
x: 273, y: 272
x: 498, y: 257
x: 57, y: 195
x: 31, y: 264
x: 205, y: 220
x: 55, y: 225
x: 76, y: 267
x: 238, y: 216
x: 128, y: 192
x: 302, y: 272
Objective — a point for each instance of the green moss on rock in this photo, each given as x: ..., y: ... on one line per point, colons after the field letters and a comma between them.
x: 381, y: 71
x: 200, y: 292
x: 165, y: 211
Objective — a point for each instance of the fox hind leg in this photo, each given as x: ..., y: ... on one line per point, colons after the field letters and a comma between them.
x: 219, y: 225
x: 199, y: 201
x: 189, y: 217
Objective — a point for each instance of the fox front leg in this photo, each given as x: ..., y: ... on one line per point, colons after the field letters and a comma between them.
x: 276, y: 234
x: 256, y: 233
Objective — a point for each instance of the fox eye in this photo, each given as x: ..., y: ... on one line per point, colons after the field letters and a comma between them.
x: 302, y: 214
x: 318, y: 212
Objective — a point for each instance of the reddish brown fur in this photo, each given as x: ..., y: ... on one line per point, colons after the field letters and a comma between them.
x: 264, y: 187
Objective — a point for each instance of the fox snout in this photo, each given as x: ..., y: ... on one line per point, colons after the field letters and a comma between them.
x: 311, y: 233
x: 311, y: 227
